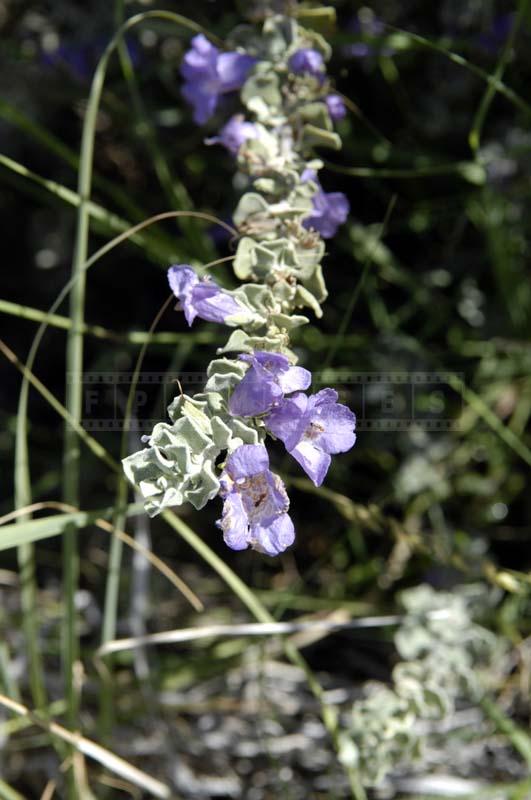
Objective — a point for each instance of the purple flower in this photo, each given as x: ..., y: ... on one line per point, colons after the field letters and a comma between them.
x: 269, y: 377
x: 209, y: 73
x: 336, y: 107
x: 312, y: 428
x: 201, y: 297
x: 255, y: 503
x: 234, y: 134
x: 307, y: 62
x: 330, y: 209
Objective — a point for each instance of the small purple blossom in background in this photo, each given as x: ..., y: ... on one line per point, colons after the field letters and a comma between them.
x: 201, y: 297
x: 330, y: 209
x: 336, y: 107
x: 255, y: 503
x: 270, y: 376
x: 312, y: 428
x: 307, y: 62
x: 495, y: 37
x: 366, y: 23
x: 234, y: 134
x: 81, y: 57
x: 209, y: 73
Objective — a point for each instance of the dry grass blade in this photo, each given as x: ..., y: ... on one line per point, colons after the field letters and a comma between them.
x: 335, y: 622
x: 92, y: 750
x: 104, y: 525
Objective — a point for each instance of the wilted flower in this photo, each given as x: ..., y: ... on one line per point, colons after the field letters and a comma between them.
x: 255, y: 503
x: 307, y: 62
x: 201, y: 297
x: 210, y: 73
x: 312, y: 428
x: 270, y: 376
x: 330, y: 209
x: 336, y: 107
x: 234, y: 134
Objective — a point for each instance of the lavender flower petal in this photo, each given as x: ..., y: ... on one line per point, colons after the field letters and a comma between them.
x: 294, y: 379
x: 275, y: 538
x: 255, y: 503
x: 247, y: 460
x: 182, y: 280
x: 337, y: 420
x: 315, y: 462
x: 212, y: 303
x: 336, y: 107
x: 268, y: 378
x: 312, y: 428
x: 234, y: 134
x: 234, y: 522
x: 256, y: 393
x: 209, y: 73
x: 307, y: 61
x: 232, y: 70
x: 201, y: 297
x: 330, y: 210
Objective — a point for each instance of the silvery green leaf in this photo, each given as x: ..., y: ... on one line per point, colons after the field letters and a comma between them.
x: 309, y: 259
x: 223, y: 375
x: 221, y: 433
x: 177, y: 467
x: 302, y: 194
x: 288, y: 322
x: 259, y: 108
x: 303, y: 298
x: 322, y: 18
x: 243, y: 263
x: 254, y: 260
x: 252, y: 215
x: 267, y: 186
x: 258, y: 298
x: 183, y: 405
x: 238, y: 342
x: 278, y: 34
x: 316, y: 41
x: 313, y: 136
x: 244, y: 433
x: 316, y: 114
x: 263, y: 84
x: 275, y: 341
x: 245, y: 319
x: 259, y: 154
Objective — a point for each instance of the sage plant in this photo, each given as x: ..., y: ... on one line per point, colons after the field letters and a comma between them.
x: 216, y: 441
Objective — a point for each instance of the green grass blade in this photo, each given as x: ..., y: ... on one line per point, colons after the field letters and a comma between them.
x: 109, y: 222
x: 357, y: 289
x: 474, y: 136
x: 99, y: 332
x: 470, y: 171
x: 406, y: 38
x: 8, y: 793
x: 174, y: 190
x: 34, y: 530
x: 493, y: 421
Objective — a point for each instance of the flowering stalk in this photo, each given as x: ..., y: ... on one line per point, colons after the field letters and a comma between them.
x: 288, y: 107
